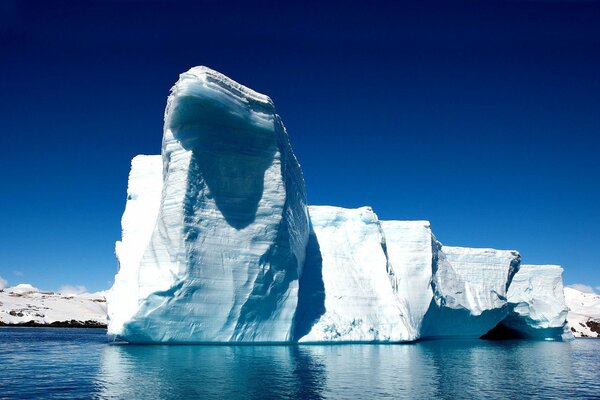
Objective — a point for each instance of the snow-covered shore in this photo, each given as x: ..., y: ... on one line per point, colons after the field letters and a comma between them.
x: 25, y: 305
x: 584, y: 313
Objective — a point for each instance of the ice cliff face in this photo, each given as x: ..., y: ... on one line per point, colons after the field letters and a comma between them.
x: 537, y: 296
x: 138, y: 221
x: 412, y: 251
x: 361, y: 302
x: 218, y: 246
x: 470, y: 289
x: 218, y: 258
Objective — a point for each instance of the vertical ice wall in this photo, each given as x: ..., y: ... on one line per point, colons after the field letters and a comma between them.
x: 410, y: 248
x: 470, y: 288
x: 141, y: 210
x: 224, y: 257
x: 538, y: 304
x: 360, y: 299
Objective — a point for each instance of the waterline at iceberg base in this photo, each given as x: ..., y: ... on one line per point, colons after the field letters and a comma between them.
x: 219, y: 246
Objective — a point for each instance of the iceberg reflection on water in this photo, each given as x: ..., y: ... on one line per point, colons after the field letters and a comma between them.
x: 430, y: 369
x: 79, y: 363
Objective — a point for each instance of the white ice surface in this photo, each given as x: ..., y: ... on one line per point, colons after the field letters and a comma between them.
x: 410, y: 248
x: 138, y: 221
x: 486, y: 274
x: 470, y: 287
x: 536, y: 293
x: 360, y: 301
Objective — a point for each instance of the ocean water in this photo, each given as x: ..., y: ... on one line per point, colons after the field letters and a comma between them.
x: 81, y: 363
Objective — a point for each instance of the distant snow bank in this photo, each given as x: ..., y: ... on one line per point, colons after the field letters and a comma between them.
x: 584, y: 313
x: 26, y: 305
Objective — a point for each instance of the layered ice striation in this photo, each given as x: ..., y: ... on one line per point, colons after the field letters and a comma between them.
x: 218, y: 257
x: 218, y: 246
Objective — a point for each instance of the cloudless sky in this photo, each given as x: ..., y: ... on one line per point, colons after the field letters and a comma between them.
x: 482, y: 117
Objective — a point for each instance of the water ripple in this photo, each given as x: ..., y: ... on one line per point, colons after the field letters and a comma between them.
x: 80, y: 363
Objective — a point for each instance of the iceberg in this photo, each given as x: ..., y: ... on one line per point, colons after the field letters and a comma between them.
x: 217, y: 257
x: 219, y: 246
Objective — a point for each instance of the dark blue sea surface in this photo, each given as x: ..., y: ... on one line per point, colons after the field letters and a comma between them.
x: 81, y: 363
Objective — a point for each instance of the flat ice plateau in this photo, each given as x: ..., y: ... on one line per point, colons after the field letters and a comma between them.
x: 219, y: 246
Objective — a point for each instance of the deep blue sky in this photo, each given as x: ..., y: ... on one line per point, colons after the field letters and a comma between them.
x: 482, y: 117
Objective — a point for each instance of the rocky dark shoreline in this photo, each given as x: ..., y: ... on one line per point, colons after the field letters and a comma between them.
x: 594, y: 327
x: 57, y: 324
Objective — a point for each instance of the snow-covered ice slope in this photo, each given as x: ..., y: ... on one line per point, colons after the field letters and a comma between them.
x: 538, y: 308
x: 584, y: 313
x: 360, y: 299
x: 24, y: 304
x: 410, y: 248
x: 470, y: 287
x: 225, y: 253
